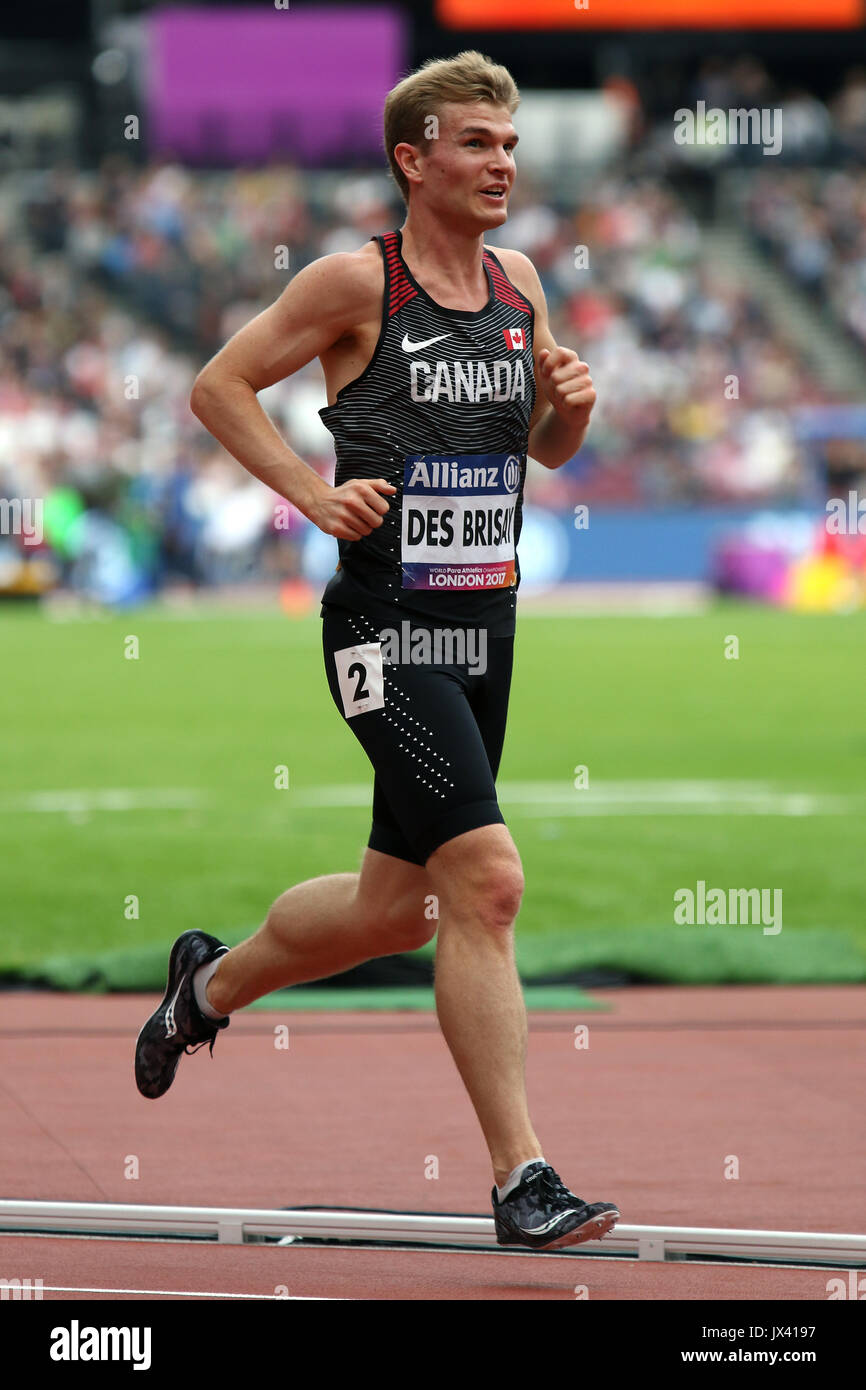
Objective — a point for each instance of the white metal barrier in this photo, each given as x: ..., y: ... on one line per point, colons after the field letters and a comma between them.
x: 234, y: 1225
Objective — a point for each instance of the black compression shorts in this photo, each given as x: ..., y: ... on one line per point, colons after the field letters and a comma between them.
x: 431, y: 719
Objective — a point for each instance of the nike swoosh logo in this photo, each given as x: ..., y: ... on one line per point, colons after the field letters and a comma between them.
x: 417, y: 347
x: 170, y: 1025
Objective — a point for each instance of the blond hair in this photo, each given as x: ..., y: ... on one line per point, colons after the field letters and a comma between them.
x: 469, y: 77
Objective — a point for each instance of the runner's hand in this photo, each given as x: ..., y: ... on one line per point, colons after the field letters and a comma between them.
x: 567, y: 384
x: 353, y: 509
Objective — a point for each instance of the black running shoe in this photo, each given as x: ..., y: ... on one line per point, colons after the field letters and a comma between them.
x: 542, y: 1214
x: 178, y: 1022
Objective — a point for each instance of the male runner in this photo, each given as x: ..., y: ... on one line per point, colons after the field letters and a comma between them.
x: 431, y: 345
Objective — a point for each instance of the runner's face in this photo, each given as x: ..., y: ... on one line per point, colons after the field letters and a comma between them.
x: 469, y: 171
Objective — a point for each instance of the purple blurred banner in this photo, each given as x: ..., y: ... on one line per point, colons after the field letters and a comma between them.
x: 306, y: 83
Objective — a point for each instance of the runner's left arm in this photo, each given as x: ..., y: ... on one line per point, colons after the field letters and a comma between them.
x: 565, y: 395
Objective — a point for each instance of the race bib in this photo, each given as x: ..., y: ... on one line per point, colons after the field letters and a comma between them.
x: 360, y: 678
x: 458, y: 520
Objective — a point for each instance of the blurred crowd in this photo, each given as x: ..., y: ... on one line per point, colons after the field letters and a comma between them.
x: 814, y: 222
x: 116, y: 285
x: 832, y: 131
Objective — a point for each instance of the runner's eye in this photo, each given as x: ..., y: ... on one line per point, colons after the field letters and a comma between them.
x: 474, y: 140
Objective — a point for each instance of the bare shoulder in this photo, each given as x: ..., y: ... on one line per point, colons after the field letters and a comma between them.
x: 344, y: 282
x: 362, y: 267
x: 521, y: 272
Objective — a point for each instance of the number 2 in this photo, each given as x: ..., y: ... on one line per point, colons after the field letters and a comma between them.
x: 359, y: 670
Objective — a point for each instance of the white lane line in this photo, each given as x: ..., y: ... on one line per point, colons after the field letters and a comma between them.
x: 551, y: 799
x: 671, y: 797
x: 80, y: 800
x: 194, y: 1293
x: 797, y: 804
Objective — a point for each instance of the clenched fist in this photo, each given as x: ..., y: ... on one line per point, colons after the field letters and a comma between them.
x: 567, y: 384
x: 353, y: 509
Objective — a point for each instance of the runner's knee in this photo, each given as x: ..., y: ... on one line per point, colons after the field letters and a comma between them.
x: 489, y: 893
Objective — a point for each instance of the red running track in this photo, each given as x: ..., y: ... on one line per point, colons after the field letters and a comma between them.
x: 676, y: 1088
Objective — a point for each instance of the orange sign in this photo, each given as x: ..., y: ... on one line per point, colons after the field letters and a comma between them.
x: 651, y: 14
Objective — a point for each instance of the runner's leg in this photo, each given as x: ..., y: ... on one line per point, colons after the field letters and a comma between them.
x: 434, y: 735
x: 479, y: 879
x: 479, y: 882
x: 327, y: 925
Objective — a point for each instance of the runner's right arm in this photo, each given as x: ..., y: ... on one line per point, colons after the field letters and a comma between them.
x: 324, y: 301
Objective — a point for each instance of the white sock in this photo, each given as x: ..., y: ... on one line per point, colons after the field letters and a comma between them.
x: 514, y: 1177
x: 199, y: 987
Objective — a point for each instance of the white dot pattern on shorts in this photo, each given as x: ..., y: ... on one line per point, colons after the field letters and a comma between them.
x: 426, y: 746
